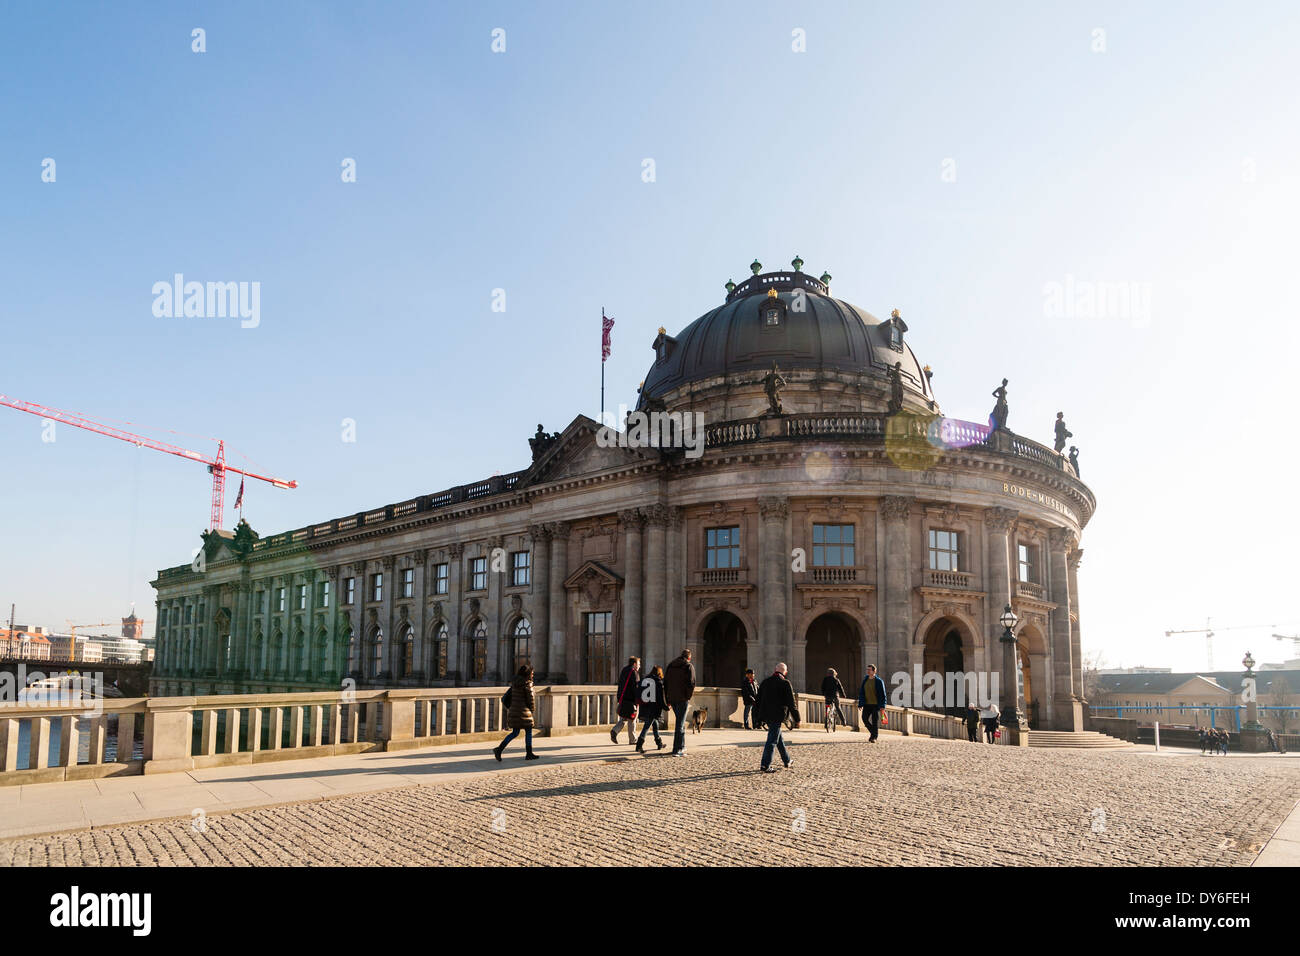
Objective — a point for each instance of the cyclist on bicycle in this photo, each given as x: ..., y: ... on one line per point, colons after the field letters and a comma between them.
x: 832, y: 690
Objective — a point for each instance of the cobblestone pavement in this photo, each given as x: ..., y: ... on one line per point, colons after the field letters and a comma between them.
x: 902, y: 801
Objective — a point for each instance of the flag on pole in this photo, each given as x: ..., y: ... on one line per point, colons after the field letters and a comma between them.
x: 239, y: 498
x: 606, y: 324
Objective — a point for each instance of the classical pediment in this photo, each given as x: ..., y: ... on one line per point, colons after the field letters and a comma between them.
x: 597, y: 583
x: 578, y: 451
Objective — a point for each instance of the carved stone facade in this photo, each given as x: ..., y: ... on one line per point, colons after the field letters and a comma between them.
x: 799, y: 539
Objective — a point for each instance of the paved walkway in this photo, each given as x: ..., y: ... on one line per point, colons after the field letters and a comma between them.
x: 902, y: 801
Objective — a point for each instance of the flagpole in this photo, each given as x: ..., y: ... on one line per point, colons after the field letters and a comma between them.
x: 602, y: 365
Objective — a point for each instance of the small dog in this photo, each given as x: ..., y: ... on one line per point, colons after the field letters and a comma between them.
x: 698, y: 717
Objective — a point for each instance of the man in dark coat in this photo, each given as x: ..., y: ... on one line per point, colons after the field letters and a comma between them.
x: 749, y: 693
x: 832, y: 691
x: 679, y: 688
x: 872, y: 700
x: 972, y: 723
x: 775, y: 700
x: 629, y: 685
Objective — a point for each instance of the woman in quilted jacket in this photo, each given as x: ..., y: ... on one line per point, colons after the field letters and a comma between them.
x: 520, y: 700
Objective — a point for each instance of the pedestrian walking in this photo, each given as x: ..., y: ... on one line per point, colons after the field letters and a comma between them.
x: 520, y: 701
x: 1224, y: 740
x: 972, y: 723
x: 629, y: 685
x: 989, y: 717
x: 651, y: 706
x: 679, y: 688
x: 872, y: 699
x: 775, y: 700
x: 749, y: 694
x: 832, y: 691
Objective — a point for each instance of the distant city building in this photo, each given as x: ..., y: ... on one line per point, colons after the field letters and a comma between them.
x: 820, y: 439
x: 1136, y: 670
x: 132, y: 627
x: 1151, y: 690
x: 92, y: 652
x: 24, y: 643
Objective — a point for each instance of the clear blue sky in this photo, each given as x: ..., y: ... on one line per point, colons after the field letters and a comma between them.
x: 1170, y: 160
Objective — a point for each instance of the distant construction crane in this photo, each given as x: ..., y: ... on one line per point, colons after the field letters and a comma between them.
x: 1209, y: 633
x: 1293, y: 638
x: 216, y: 466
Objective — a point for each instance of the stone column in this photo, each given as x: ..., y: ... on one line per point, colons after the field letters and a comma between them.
x: 656, y: 578
x: 239, y: 628
x: 557, y: 661
x: 539, y: 592
x: 387, y: 565
x: 997, y: 531
x: 493, y: 603
x: 774, y: 595
x: 634, y: 642
x: 332, y: 666
x: 1061, y: 542
x: 675, y: 597
x: 896, y: 594
x: 455, y: 604
x: 420, y: 617
x: 1076, y: 646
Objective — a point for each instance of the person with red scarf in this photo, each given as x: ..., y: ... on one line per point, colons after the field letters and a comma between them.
x: 629, y: 682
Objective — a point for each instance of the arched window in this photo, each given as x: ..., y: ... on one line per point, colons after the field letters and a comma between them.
x: 376, y: 655
x: 299, y: 663
x: 406, y: 651
x: 522, y: 641
x: 276, y: 664
x: 320, y: 663
x: 437, y: 663
x: 255, y: 659
x: 478, y: 651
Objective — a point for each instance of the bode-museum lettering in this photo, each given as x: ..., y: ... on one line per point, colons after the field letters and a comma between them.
x: 1020, y: 491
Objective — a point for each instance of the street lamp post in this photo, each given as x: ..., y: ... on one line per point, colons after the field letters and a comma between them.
x: 1012, y: 717
x: 1248, y: 686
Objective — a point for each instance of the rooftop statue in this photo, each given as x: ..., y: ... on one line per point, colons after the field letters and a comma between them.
x: 1000, y: 408
x: 541, y: 441
x: 896, y: 389
x: 1074, y: 459
x: 772, y: 384
x: 1062, y: 433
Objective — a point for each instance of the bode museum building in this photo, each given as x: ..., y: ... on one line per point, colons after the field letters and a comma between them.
x: 831, y: 516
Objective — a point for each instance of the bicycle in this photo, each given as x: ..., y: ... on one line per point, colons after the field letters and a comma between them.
x: 833, y: 717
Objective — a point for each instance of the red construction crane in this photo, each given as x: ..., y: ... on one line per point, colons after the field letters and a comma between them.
x: 216, y: 466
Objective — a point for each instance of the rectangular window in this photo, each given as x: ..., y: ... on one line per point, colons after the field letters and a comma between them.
x: 323, y: 594
x: 302, y: 597
x: 349, y: 590
x: 519, y: 568
x: 408, y: 582
x: 1027, y: 563
x: 440, y: 578
x: 833, y: 546
x: 478, y: 574
x: 722, y: 547
x: 189, y: 614
x: 377, y: 586
x: 598, y: 647
x: 203, y: 611
x: 943, y: 550
x: 279, y: 599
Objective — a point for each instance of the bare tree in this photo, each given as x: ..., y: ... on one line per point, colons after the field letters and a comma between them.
x: 1279, y: 695
x: 1093, y: 662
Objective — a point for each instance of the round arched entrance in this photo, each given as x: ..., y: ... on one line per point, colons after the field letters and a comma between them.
x: 833, y: 640
x: 723, y: 651
x: 948, y: 652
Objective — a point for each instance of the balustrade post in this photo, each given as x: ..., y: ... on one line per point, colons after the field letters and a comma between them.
x: 295, y: 726
x: 8, y: 743
x: 231, y: 743
x: 96, y: 734
x: 168, y: 729
x: 399, y: 719
x: 125, y: 738
x: 275, y: 728
x: 314, y: 729
x: 336, y: 724
x: 254, y: 729
x: 208, y: 734
x: 38, y: 746
x: 68, y: 740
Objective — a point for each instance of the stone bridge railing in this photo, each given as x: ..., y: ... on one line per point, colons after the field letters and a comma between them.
x: 161, y: 734
x: 46, y: 743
